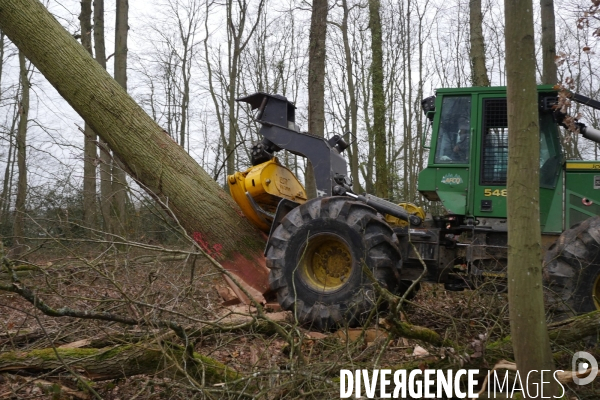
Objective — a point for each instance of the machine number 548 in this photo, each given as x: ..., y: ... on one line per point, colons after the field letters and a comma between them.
x: 497, y: 192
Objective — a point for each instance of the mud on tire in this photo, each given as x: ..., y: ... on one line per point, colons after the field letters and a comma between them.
x: 572, y: 271
x: 316, y: 258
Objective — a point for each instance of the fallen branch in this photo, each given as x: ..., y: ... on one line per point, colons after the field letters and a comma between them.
x: 120, y: 362
x: 561, y: 333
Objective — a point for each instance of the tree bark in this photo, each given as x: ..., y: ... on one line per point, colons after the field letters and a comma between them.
x: 525, y: 290
x: 549, y: 71
x: 119, y: 180
x: 89, y: 147
x: 316, y: 82
x: 479, y: 73
x: 381, y: 168
x: 152, y: 158
x: 19, y: 224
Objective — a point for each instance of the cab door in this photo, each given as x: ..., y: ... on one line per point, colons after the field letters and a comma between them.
x: 447, y: 176
x: 489, y: 192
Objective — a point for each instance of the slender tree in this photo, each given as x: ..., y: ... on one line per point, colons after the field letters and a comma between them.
x: 353, y: 106
x: 106, y: 187
x: 90, y: 153
x: 316, y: 81
x: 119, y: 180
x: 20, y: 212
x: 525, y: 292
x: 237, y: 42
x: 479, y: 74
x: 187, y: 27
x: 6, y: 193
x: 379, y: 107
x: 549, y: 70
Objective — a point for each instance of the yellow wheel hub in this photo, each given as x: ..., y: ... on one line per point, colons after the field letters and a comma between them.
x: 326, y: 263
x: 596, y: 292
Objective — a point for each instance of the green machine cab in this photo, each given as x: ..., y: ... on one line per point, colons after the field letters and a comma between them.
x: 468, y: 161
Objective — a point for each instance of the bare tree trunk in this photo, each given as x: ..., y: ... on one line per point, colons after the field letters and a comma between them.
x: 479, y: 74
x: 316, y: 82
x: 381, y: 169
x: 7, y: 184
x: 237, y: 44
x: 19, y: 224
x: 234, y: 54
x: 2, y: 41
x: 353, y: 105
x: 105, y: 156
x: 548, y: 43
x: 405, y: 93
x: 213, y: 94
x: 152, y: 158
x: 89, y: 148
x: 525, y: 291
x: 119, y: 180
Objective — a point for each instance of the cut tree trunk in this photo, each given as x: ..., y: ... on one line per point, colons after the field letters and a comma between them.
x: 152, y: 158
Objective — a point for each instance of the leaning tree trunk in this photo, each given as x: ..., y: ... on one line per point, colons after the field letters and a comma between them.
x: 152, y: 158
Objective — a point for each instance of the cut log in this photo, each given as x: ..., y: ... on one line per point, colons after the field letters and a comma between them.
x: 150, y: 155
x: 120, y: 362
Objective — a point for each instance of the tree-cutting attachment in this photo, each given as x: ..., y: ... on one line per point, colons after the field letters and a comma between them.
x: 325, y: 255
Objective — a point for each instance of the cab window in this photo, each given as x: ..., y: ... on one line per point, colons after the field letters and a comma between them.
x: 454, y: 133
x: 494, y: 158
x: 494, y: 154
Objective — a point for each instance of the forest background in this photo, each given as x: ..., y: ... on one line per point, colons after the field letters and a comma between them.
x: 187, y: 61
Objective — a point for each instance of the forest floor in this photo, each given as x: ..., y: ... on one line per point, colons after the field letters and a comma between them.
x: 151, y: 286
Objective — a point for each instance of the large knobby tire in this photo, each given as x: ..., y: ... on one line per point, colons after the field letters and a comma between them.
x: 317, y: 256
x: 572, y: 271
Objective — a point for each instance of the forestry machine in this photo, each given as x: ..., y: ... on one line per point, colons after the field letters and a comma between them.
x: 324, y: 254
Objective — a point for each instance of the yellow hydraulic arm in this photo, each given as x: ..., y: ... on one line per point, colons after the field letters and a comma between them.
x: 259, y: 189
